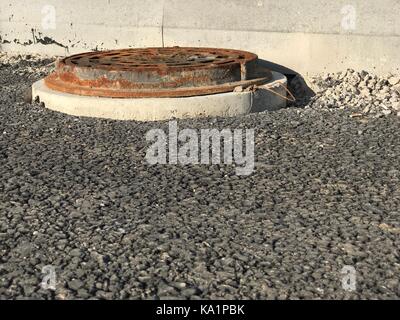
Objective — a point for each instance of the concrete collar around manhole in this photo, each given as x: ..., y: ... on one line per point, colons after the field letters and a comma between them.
x: 160, y: 83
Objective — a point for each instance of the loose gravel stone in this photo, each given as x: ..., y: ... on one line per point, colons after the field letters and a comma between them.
x: 78, y: 195
x: 75, y: 284
x: 358, y: 91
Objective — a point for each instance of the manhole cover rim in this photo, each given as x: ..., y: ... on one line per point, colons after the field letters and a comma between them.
x: 241, y: 57
x: 159, y: 80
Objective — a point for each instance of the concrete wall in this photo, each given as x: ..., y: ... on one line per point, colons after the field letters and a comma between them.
x: 307, y: 36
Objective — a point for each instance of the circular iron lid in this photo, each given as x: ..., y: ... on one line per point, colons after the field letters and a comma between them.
x: 156, y: 72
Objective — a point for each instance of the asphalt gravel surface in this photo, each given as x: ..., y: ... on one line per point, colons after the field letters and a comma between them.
x: 77, y: 194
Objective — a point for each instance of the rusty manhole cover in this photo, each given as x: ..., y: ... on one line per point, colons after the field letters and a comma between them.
x: 157, y: 72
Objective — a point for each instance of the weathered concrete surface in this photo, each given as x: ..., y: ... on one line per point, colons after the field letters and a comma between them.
x: 307, y: 36
x: 79, y: 25
x: 152, y: 109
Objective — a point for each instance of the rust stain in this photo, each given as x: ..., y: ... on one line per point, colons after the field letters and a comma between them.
x: 151, y: 93
x: 154, y: 72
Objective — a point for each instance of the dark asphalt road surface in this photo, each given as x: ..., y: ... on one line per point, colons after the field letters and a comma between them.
x: 77, y: 194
